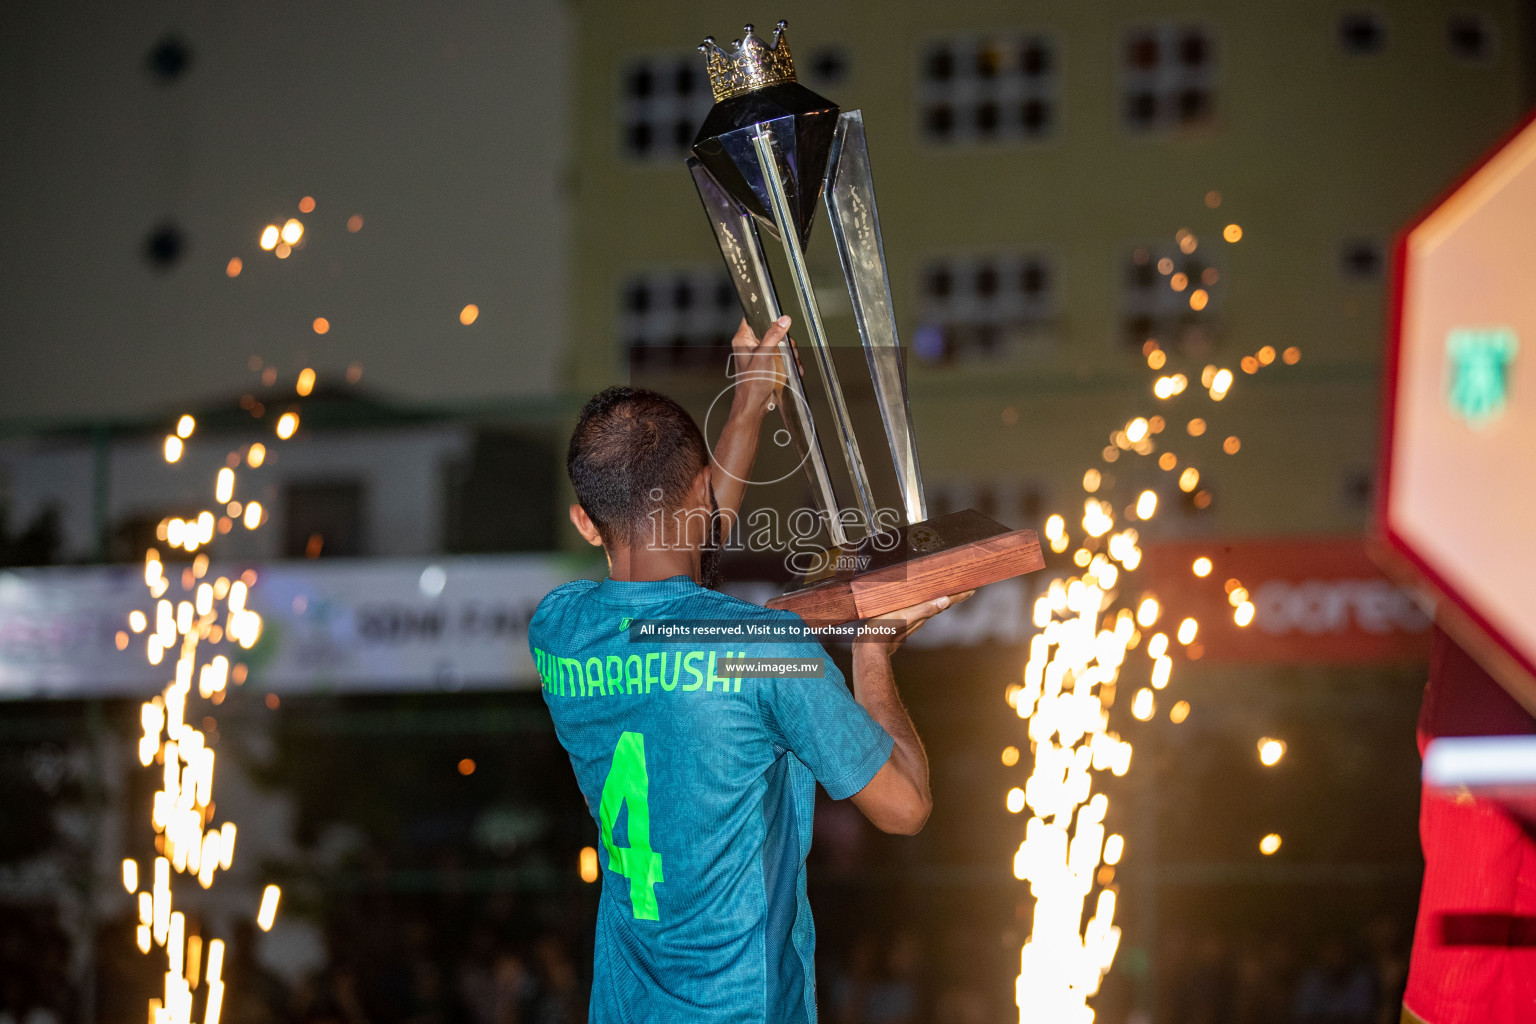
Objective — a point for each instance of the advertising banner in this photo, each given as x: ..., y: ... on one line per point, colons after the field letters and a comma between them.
x: 1316, y: 599
x: 327, y: 626
x: 448, y: 624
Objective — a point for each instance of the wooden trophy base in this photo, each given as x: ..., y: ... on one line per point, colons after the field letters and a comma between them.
x: 947, y: 555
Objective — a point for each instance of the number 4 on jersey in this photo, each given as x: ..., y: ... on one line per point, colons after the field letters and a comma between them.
x: 628, y: 783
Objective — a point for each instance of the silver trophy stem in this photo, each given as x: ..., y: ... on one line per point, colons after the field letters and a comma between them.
x: 743, y: 251
x: 850, y: 198
x: 779, y: 203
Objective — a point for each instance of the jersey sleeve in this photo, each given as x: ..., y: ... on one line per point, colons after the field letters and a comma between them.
x: 820, y: 722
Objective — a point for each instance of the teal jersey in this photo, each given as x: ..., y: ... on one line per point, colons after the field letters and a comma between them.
x: 703, y: 789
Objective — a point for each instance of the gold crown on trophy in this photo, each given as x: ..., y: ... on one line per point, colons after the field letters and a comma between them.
x: 749, y: 64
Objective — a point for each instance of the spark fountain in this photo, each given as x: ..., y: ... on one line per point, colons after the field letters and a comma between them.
x: 1090, y: 624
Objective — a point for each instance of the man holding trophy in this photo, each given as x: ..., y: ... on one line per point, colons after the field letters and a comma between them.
x: 698, y: 725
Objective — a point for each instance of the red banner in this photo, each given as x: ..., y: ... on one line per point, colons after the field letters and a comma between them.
x: 1315, y: 600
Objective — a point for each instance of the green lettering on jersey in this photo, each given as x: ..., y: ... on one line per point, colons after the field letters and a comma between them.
x: 572, y: 672
x: 698, y: 677
x: 594, y: 678
x: 649, y: 678
x: 677, y: 666
x: 628, y: 783
x: 632, y: 673
x: 615, y: 675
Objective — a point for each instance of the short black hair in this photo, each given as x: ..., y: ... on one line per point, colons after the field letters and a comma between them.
x: 628, y: 443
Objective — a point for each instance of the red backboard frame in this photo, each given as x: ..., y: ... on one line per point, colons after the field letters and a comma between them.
x: 1514, y: 668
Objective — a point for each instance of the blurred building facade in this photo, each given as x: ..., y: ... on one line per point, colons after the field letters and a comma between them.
x: 149, y: 146
x: 1039, y: 179
x: 1033, y: 167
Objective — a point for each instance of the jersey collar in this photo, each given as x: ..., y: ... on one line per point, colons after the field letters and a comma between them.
x: 623, y: 592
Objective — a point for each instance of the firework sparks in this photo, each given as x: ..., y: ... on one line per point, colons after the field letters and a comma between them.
x: 1089, y: 626
x: 205, y: 617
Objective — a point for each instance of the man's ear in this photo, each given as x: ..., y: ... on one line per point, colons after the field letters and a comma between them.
x: 698, y: 493
x: 585, y: 526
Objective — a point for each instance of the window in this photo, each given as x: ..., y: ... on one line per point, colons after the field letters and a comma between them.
x: 323, y: 519
x: 1362, y: 33
x: 1470, y: 36
x: 169, y: 59
x: 988, y: 89
x: 1361, y: 259
x: 1357, y: 489
x: 1014, y: 503
x: 664, y: 102
x: 678, y: 317
x: 827, y: 66
x: 165, y: 244
x: 503, y: 495
x: 1168, y: 77
x: 1171, y: 297
x: 978, y: 306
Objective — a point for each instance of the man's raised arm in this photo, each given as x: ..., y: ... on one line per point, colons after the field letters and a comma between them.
x: 758, y: 371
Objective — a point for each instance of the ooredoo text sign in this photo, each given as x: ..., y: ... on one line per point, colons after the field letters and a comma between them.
x: 1315, y: 600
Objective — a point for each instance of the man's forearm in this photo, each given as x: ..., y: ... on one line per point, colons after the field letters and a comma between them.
x: 734, y: 454
x: 874, y: 686
x: 758, y: 372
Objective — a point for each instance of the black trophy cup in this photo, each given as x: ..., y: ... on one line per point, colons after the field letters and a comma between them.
x: 769, y: 151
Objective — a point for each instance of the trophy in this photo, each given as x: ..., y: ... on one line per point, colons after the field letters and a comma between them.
x: 767, y: 152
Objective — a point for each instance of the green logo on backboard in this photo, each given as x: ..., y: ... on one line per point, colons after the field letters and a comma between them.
x: 1477, y: 363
